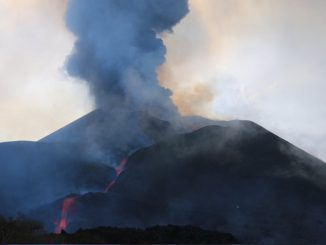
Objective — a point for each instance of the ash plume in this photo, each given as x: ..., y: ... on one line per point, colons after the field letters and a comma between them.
x: 118, y: 50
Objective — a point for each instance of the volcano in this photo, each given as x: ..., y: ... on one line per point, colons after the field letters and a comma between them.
x: 233, y: 176
x: 108, y: 138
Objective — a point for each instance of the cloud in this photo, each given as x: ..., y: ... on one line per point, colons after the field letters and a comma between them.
x: 262, y: 60
x: 118, y: 50
x: 36, y: 97
x: 258, y: 60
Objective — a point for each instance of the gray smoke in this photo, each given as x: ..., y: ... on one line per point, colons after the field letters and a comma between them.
x: 118, y: 51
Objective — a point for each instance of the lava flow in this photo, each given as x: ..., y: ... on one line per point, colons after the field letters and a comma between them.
x: 66, y: 205
x: 118, y: 169
x: 69, y: 201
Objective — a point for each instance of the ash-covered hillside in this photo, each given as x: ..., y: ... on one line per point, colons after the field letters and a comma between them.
x: 34, y: 173
x: 239, y: 178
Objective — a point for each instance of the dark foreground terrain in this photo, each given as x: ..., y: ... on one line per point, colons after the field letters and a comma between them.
x: 27, y: 231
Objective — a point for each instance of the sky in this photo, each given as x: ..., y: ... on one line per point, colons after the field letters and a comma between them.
x: 36, y: 95
x: 259, y: 60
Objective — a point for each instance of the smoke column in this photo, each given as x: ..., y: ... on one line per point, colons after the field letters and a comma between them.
x: 118, y: 50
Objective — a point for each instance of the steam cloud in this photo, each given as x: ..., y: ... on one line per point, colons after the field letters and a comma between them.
x: 118, y: 50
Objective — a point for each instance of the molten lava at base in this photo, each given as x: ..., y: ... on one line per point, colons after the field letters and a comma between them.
x: 69, y: 201
x: 66, y: 206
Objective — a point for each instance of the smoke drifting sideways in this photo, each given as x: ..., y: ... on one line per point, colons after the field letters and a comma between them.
x: 118, y: 50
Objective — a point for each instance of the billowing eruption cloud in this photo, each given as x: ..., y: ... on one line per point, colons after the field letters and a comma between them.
x: 118, y: 50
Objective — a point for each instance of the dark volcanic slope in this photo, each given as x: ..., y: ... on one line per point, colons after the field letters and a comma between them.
x: 108, y: 137
x: 33, y: 173
x: 240, y: 179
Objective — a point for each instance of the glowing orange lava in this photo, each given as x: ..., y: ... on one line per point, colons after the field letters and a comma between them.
x: 69, y: 201
x: 121, y: 167
x: 66, y: 205
x: 118, y: 169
